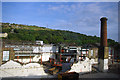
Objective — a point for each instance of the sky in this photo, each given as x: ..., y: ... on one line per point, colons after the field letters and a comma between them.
x: 81, y: 17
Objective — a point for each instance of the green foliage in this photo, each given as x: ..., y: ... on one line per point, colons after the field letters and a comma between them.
x: 30, y: 33
x: 6, y: 30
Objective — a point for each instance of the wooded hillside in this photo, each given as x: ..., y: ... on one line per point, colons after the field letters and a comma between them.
x: 21, y: 32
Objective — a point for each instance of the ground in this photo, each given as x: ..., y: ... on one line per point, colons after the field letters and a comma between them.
x: 96, y: 76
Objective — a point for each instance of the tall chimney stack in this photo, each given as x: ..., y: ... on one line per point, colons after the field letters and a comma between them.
x: 103, y: 42
x: 103, y: 49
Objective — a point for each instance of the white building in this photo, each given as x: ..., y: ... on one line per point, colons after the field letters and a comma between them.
x: 32, y: 52
x: 3, y: 34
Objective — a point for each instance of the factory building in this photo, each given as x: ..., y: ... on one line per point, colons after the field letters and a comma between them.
x: 34, y: 52
x: 27, y: 52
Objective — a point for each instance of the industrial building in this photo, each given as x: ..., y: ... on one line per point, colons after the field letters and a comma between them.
x: 27, y: 52
x: 32, y: 52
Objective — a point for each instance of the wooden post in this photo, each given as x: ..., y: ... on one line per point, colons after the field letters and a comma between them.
x: 17, y: 58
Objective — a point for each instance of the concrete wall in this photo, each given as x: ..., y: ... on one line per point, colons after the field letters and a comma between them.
x: 49, y: 48
x: 36, y: 49
x: 93, y: 53
x: 46, y: 56
x: 36, y: 58
x: 82, y: 66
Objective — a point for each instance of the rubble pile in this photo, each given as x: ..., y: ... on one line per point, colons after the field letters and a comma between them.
x: 81, y: 66
x: 11, y: 64
x: 32, y: 65
x: 14, y: 69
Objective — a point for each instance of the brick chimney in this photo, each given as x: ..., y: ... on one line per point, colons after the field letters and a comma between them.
x: 103, y: 36
x: 103, y: 49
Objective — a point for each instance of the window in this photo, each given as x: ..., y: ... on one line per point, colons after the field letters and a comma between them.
x: 5, y: 55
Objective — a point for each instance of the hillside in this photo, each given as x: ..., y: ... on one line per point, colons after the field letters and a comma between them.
x: 19, y: 32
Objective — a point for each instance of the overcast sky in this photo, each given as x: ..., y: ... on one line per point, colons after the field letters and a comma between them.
x: 81, y: 17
